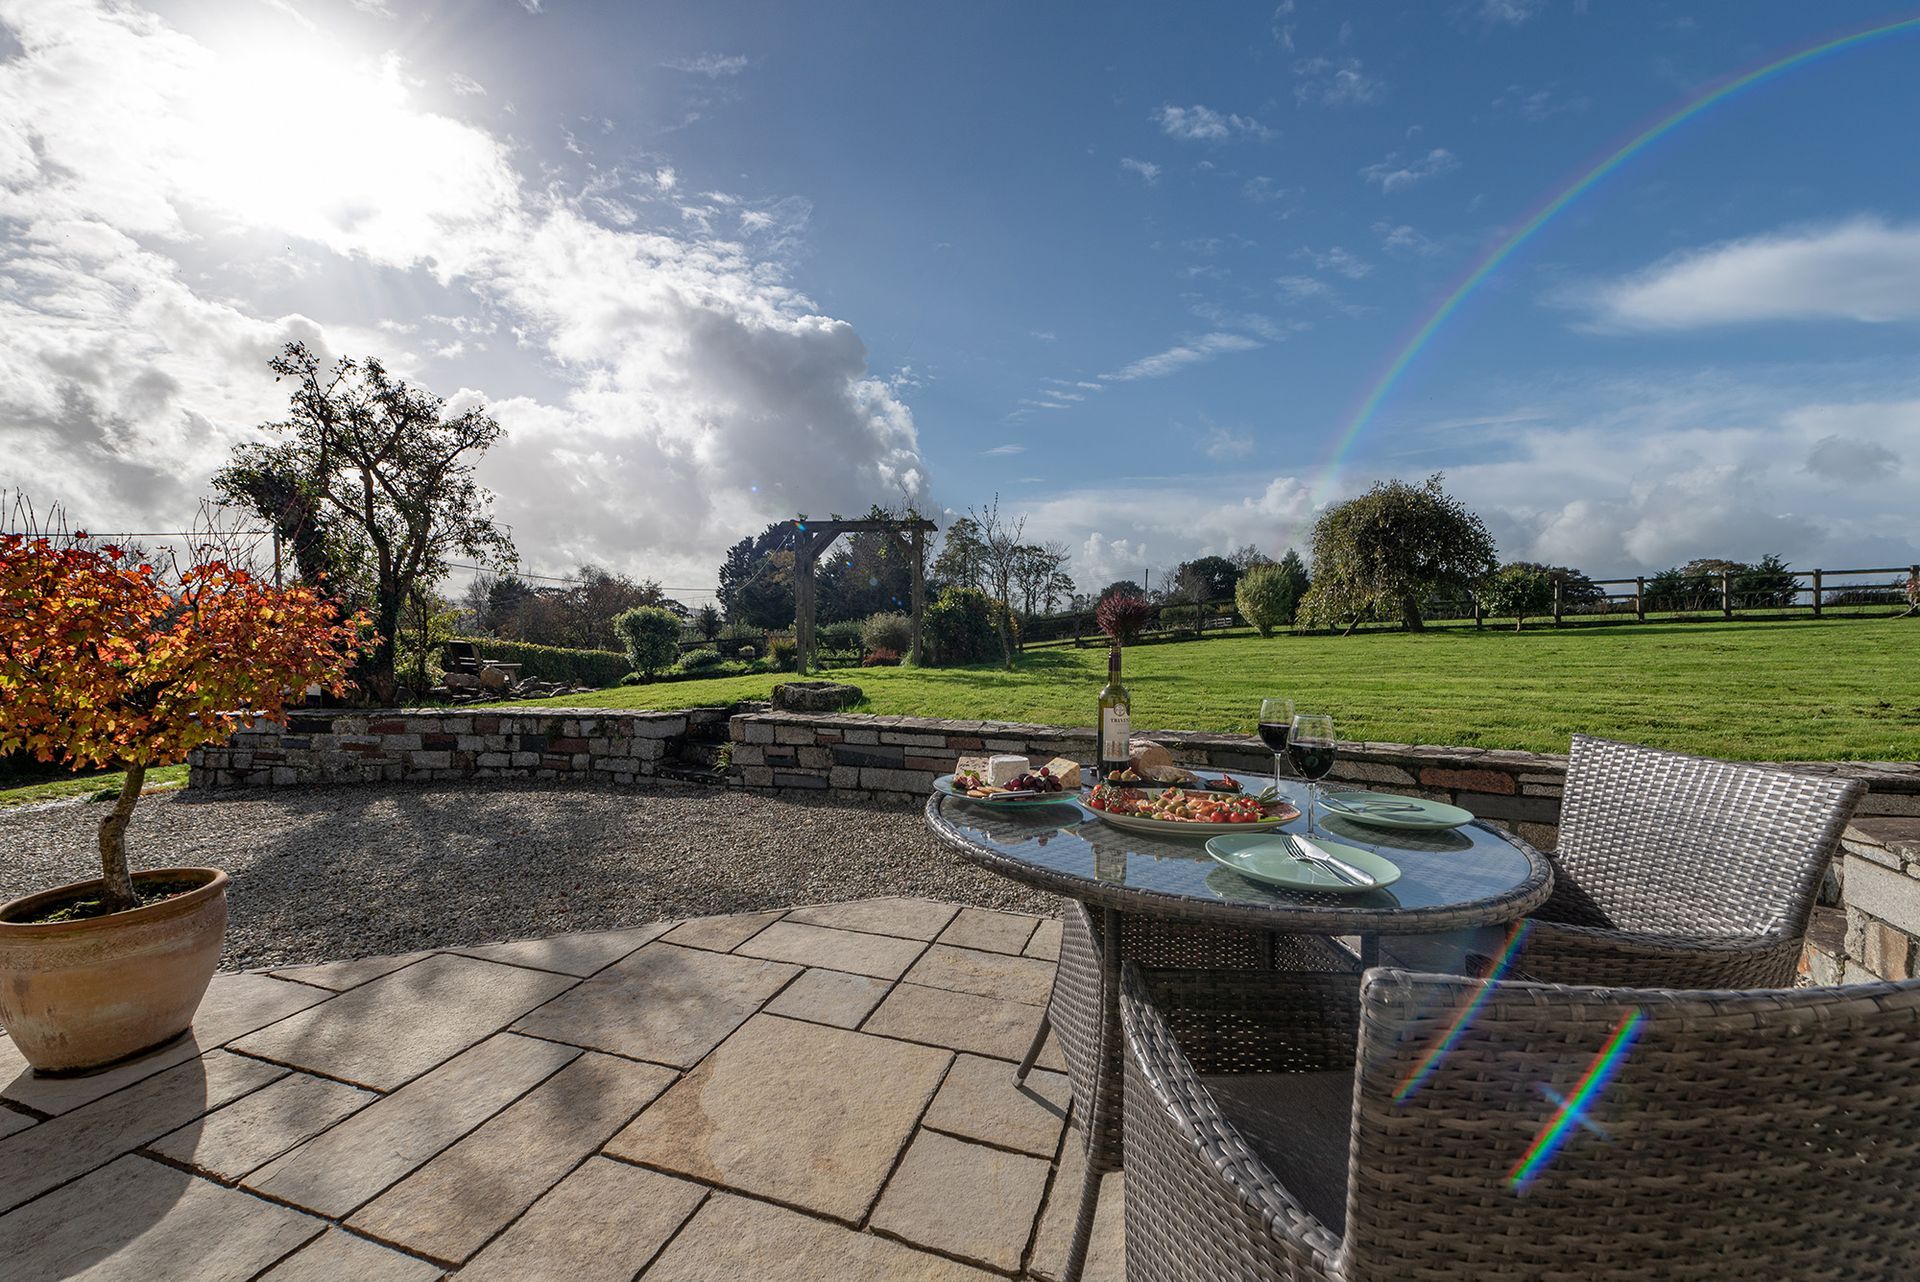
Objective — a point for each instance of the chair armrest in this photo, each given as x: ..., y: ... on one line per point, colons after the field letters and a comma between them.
x: 1564, y: 953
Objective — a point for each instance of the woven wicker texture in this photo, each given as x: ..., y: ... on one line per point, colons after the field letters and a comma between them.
x: 1683, y: 872
x: 1739, y: 1136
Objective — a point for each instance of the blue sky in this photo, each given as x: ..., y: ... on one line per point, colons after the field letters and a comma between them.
x: 1132, y: 267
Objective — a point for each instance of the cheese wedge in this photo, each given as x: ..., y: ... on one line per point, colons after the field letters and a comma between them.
x: 1003, y: 770
x: 1067, y: 772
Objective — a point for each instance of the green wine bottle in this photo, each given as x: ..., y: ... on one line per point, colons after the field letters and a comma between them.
x: 1116, y: 720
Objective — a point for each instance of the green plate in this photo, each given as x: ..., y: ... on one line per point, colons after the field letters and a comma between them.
x: 1066, y: 796
x: 1390, y: 810
x: 1267, y: 859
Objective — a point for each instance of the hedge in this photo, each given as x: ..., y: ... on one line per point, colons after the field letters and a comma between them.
x: 596, y: 668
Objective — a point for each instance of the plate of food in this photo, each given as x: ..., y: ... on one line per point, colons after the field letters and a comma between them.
x: 1012, y: 781
x: 1186, y: 812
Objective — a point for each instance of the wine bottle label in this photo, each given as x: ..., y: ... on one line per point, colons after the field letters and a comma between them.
x: 1116, y: 733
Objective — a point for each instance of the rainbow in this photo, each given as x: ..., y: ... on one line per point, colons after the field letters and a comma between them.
x: 1464, y: 1016
x: 1605, y: 1064
x: 1491, y: 261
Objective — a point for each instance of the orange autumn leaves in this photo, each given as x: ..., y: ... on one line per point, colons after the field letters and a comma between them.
x: 102, y: 664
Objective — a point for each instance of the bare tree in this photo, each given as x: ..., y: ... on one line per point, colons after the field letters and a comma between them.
x: 1001, y: 551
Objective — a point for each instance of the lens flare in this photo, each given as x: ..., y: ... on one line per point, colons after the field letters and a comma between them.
x: 1554, y: 1134
x: 1431, y: 1060
x: 1543, y: 213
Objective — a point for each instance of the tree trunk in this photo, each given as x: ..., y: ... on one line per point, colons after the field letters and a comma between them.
x: 1519, y: 622
x: 376, y: 667
x: 1410, y: 615
x: 117, y: 881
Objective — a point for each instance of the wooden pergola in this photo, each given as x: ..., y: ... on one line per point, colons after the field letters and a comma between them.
x: 811, y: 539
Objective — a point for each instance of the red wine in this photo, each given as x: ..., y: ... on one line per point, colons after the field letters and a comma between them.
x: 1274, y: 734
x: 1311, y: 760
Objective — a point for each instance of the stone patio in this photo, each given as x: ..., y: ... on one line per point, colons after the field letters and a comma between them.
x: 824, y: 1093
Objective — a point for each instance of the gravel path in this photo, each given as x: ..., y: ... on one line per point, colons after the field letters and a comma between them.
x: 321, y: 874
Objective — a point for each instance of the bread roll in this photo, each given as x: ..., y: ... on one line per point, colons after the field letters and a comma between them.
x: 1151, y: 761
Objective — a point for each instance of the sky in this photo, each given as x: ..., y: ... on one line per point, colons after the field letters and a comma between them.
x: 1132, y: 268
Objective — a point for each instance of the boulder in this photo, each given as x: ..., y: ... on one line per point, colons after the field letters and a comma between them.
x: 814, y: 696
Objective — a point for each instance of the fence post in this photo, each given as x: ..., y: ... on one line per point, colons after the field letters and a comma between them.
x: 1640, y: 598
x: 1816, y: 594
x: 1479, y: 615
x: 1559, y: 596
x: 1726, y: 594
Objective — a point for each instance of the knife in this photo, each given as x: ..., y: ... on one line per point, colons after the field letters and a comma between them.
x: 1310, y: 851
x: 1366, y: 807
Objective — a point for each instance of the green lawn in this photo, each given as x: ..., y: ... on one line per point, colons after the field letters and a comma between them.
x: 1801, y: 690
x: 159, y: 779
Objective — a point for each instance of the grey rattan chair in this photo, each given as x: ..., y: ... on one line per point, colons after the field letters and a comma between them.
x: 1676, y: 872
x: 1727, y: 1135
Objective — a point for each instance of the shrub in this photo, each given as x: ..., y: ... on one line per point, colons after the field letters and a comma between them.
x: 1518, y: 589
x: 959, y: 627
x: 881, y: 657
x: 782, y: 653
x: 595, y: 668
x: 652, y: 636
x: 1268, y: 595
x: 632, y: 679
x: 1122, y: 616
x: 747, y: 653
x: 700, y: 660
x: 843, y: 635
x: 887, y: 632
x: 1181, y: 614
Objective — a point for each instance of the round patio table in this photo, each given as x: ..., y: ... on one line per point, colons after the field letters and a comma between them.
x: 1453, y: 879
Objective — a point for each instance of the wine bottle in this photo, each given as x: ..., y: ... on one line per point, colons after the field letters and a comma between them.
x: 1116, y: 720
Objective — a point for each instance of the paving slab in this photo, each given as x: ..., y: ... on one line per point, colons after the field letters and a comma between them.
x: 449, y: 1208
x: 666, y: 1004
x: 721, y: 934
x: 799, y: 1113
x: 1107, y: 1248
x: 969, y: 970
x: 1045, y: 943
x: 338, y: 976
x: 734, y: 1238
x: 963, y: 1021
x: 963, y: 1199
x: 234, y: 1006
x: 139, y: 1220
x: 253, y: 1130
x: 980, y: 1100
x: 63, y: 1148
x: 392, y: 1029
x: 881, y: 956
x: 339, y: 1256
x: 578, y: 954
x: 830, y: 997
x: 343, y: 1168
x: 11, y: 1121
x: 990, y: 930
x: 907, y: 918
x: 600, y: 1224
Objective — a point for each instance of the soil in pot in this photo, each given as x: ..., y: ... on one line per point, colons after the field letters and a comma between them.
x: 83, y: 907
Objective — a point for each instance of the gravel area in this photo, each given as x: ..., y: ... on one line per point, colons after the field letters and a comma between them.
x: 326, y: 873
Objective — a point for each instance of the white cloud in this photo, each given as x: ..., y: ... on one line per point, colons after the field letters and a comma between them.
x: 1181, y: 355
x: 466, y: 86
x: 1223, y: 443
x: 1848, y: 459
x: 1864, y: 270
x: 1148, y: 171
x: 1512, y: 13
x: 1260, y: 190
x: 1297, y: 289
x: 1340, y: 261
x: 698, y: 394
x: 1394, y: 175
x: 712, y: 65
x: 1202, y: 124
x: 1402, y: 239
x: 1335, y: 82
x: 1166, y: 522
x: 1006, y: 449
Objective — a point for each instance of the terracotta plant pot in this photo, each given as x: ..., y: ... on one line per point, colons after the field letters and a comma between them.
x: 81, y: 994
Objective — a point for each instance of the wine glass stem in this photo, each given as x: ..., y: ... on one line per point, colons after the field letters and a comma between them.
x: 1313, y: 796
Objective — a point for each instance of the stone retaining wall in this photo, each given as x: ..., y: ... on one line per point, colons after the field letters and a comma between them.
x: 425, y: 744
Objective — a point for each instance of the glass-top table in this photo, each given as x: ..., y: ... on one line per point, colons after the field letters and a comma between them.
x: 1450, y: 880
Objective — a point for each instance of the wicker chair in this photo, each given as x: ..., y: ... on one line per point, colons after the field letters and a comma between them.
x: 1738, y: 1135
x: 1673, y: 872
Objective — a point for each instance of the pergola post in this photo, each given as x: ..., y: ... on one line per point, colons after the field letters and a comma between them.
x: 803, y: 557
x: 812, y: 538
x: 919, y: 554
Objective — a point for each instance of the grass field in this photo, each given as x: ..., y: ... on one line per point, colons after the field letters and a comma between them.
x: 1801, y: 690
x: 159, y: 779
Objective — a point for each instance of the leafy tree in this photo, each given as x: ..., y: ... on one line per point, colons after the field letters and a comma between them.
x: 887, y: 632
x: 963, y: 556
x: 102, y: 664
x: 1040, y: 577
x: 1122, y: 587
x: 652, y: 637
x: 1189, y: 588
x: 1121, y: 616
x: 1246, y: 556
x: 707, y: 619
x: 1001, y: 551
x: 392, y: 474
x: 766, y: 600
x: 746, y: 560
x: 962, y: 625
x: 1392, y: 548
x: 1213, y: 575
x: 865, y: 573
x: 1518, y: 588
x: 1766, y: 583
x: 1268, y: 594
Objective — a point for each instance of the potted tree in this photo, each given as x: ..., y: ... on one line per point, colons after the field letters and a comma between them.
x: 106, y: 662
